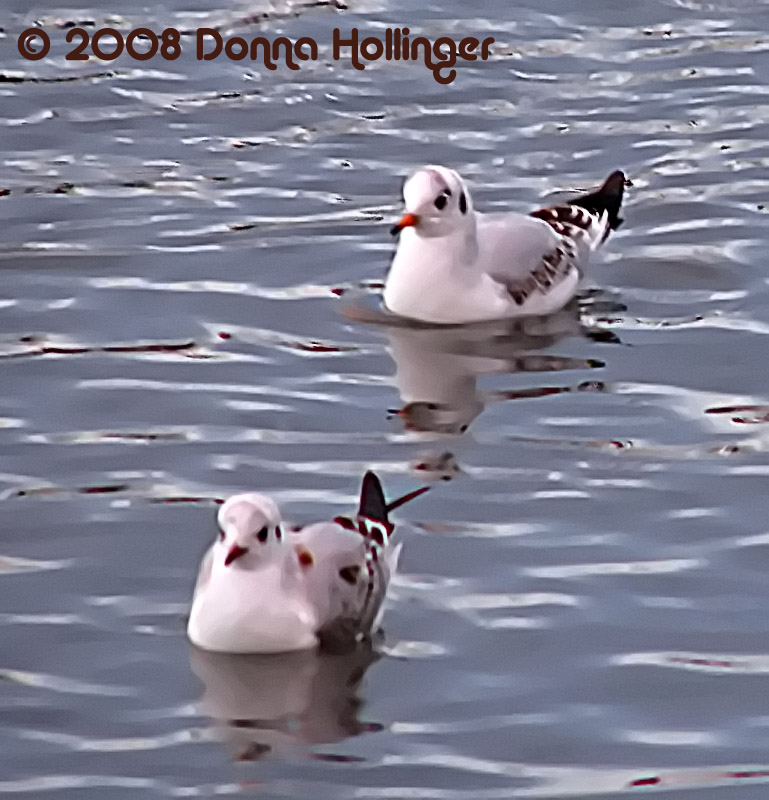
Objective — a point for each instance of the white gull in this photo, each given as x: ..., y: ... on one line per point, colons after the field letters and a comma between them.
x: 265, y: 588
x: 457, y: 265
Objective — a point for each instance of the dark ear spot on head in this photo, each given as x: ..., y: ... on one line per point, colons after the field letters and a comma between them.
x: 349, y: 574
x: 305, y: 557
x: 462, y: 203
x: 278, y: 533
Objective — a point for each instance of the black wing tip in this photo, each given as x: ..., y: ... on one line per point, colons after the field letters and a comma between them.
x: 607, y: 199
x: 372, y: 499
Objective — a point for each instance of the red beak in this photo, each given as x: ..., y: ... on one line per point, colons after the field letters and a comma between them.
x: 235, y: 552
x: 406, y: 221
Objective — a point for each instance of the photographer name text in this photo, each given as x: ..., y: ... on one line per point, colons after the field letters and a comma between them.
x: 440, y: 56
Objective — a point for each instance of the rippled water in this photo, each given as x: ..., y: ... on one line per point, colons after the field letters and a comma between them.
x: 583, y: 607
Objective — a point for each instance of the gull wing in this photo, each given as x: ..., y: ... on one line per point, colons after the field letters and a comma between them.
x: 530, y: 255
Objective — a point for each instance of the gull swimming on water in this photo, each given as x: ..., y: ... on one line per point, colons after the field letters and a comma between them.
x: 454, y: 264
x: 266, y: 588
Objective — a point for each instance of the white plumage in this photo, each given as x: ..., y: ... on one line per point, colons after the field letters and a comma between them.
x: 455, y: 265
x: 263, y: 588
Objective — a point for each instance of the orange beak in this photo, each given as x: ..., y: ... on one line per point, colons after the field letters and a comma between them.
x: 235, y: 552
x: 406, y: 221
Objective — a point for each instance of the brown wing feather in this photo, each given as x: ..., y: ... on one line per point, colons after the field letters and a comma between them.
x: 553, y: 268
x: 566, y: 220
x: 600, y: 207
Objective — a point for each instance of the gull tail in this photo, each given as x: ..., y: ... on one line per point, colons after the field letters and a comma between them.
x: 606, y: 200
x: 583, y: 224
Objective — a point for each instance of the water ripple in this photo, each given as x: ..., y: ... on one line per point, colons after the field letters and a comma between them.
x: 59, y: 684
x: 190, y: 307
x: 661, y: 567
x: 718, y: 664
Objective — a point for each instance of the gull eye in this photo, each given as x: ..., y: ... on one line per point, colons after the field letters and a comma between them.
x: 349, y: 574
x: 462, y: 204
x: 263, y: 534
x: 278, y: 533
x: 221, y: 534
x: 441, y: 200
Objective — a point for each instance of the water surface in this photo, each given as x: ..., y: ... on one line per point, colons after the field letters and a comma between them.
x: 583, y: 606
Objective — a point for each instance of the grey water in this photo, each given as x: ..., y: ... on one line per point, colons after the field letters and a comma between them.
x: 190, y: 255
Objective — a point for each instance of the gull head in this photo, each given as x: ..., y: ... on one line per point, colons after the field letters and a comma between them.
x: 437, y: 203
x: 249, y: 531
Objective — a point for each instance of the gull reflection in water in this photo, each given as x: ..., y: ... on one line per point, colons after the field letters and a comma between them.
x: 437, y: 369
x: 263, y: 704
